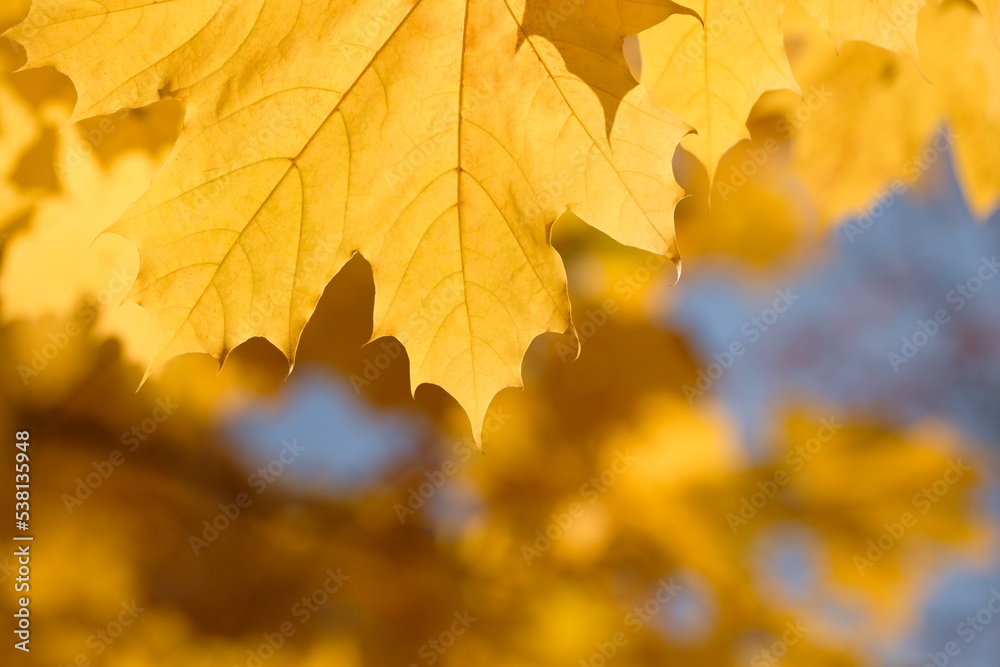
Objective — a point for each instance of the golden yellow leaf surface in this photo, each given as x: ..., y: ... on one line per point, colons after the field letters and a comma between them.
x: 440, y: 139
x: 891, y: 24
x: 61, y: 255
x: 12, y: 11
x: 867, y: 128
x: 963, y: 59
x: 880, y: 127
x: 991, y: 10
x: 754, y: 213
x: 712, y: 72
x: 58, y: 255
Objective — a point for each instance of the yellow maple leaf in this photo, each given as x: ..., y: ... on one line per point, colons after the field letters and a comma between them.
x: 868, y: 128
x: 882, y: 127
x: 963, y: 59
x: 711, y: 73
x: 891, y: 24
x: 438, y: 138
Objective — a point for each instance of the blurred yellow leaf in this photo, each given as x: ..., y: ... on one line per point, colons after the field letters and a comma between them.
x: 991, y: 10
x: 60, y: 255
x: 963, y: 60
x: 874, y: 139
x: 19, y: 130
x: 890, y: 24
x: 869, y: 126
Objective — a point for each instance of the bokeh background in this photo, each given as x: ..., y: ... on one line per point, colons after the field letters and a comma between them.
x: 656, y: 501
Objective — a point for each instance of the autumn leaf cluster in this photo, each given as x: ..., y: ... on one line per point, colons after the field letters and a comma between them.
x: 441, y: 139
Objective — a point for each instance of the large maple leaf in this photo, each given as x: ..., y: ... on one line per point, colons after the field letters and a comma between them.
x: 438, y: 138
